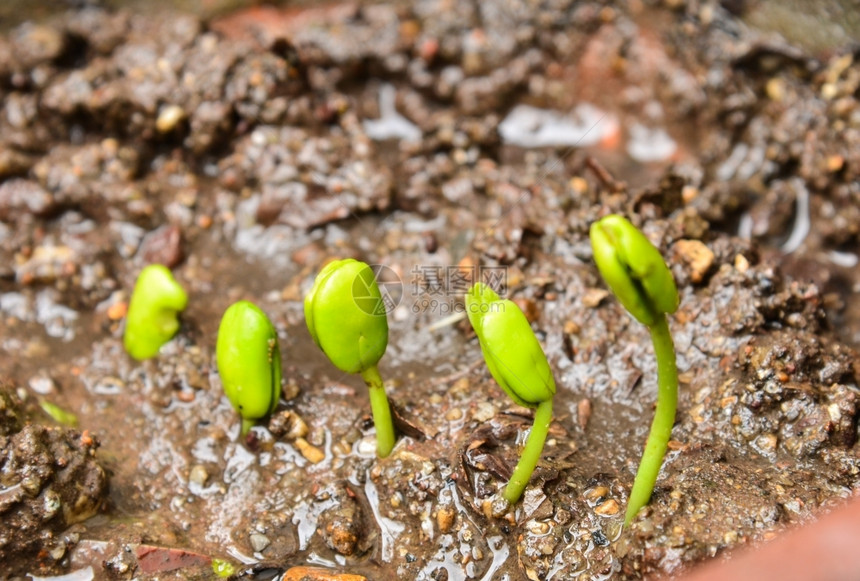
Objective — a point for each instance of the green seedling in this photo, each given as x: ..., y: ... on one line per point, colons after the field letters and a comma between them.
x: 223, y: 569
x: 249, y: 362
x: 638, y: 276
x: 59, y: 415
x: 152, y: 319
x: 518, y: 364
x: 345, y: 315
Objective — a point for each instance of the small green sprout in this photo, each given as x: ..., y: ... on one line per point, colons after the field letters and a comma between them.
x: 152, y: 320
x: 518, y: 364
x: 345, y: 315
x: 223, y: 569
x: 638, y: 276
x: 249, y: 362
x: 58, y: 414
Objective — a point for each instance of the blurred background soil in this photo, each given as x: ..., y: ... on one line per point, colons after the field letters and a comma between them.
x: 818, y: 25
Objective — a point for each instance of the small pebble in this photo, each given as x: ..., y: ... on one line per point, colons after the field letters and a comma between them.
x: 495, y: 507
x: 117, y: 311
x: 58, y: 552
x: 303, y: 573
x: 162, y: 246
x: 696, y: 256
x: 775, y: 89
x: 431, y: 243
x: 311, y: 453
x: 537, y: 527
x: 571, y: 328
x: 835, y: 163
x: 290, y: 390
x: 445, y: 519
x: 689, y: 193
x: 596, y: 493
x: 578, y: 185
x: 766, y: 443
x: 288, y: 424
x: 484, y: 412
x: 583, y: 412
x: 607, y: 508
x: 593, y: 297
x: 168, y: 118
x: 341, y: 448
x: 728, y: 401
x: 698, y: 413
x: 42, y: 384
x: 454, y: 414
x: 367, y: 447
x: 199, y: 475
x: 460, y: 387
x: 259, y: 542
x: 185, y: 395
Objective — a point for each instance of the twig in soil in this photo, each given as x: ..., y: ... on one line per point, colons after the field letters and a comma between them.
x: 604, y: 176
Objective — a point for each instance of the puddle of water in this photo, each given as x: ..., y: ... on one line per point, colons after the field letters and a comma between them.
x: 390, y: 529
x: 306, y: 515
x: 500, y: 553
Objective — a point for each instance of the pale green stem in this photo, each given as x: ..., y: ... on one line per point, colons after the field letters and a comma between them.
x: 531, y: 453
x: 381, y: 411
x: 247, y: 424
x: 664, y: 419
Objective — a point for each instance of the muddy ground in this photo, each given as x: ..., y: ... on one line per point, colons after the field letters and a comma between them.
x: 443, y: 140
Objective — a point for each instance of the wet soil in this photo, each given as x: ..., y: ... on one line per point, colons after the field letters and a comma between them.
x: 445, y: 140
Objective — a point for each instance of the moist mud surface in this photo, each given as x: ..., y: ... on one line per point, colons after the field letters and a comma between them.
x: 447, y: 141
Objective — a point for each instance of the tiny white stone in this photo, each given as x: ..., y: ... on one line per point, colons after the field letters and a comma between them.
x: 366, y: 447
x: 169, y: 117
x: 259, y: 542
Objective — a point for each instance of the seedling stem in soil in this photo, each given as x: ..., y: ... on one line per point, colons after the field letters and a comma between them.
x: 518, y: 364
x: 638, y: 276
x: 345, y: 315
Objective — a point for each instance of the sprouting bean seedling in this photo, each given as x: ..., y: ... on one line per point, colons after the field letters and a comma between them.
x: 643, y: 284
x: 518, y: 364
x: 346, y: 318
x: 249, y: 362
x: 152, y: 311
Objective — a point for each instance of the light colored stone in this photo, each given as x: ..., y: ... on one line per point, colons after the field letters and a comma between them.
x: 259, y: 542
x: 698, y: 258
